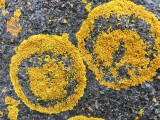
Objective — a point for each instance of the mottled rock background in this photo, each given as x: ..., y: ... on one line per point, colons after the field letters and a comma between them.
x: 106, y: 103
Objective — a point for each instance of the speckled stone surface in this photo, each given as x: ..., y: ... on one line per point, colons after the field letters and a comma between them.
x: 105, y: 102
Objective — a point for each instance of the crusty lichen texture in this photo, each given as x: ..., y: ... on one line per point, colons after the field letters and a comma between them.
x: 50, y: 80
x: 141, y: 112
x: 13, y: 26
x: 4, y: 12
x: 81, y: 117
x: 89, y: 7
x: 12, y: 108
x: 139, y: 67
x: 84, y: 1
x: 1, y: 113
x: 2, y: 3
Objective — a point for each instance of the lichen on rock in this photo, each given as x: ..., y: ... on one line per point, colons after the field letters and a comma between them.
x: 48, y: 73
x: 13, y: 26
x: 81, y: 117
x: 12, y: 108
x: 117, y: 48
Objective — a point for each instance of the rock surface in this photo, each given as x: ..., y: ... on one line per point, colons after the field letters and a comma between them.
x: 66, y: 17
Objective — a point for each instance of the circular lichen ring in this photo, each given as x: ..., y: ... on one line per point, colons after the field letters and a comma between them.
x: 81, y: 117
x: 115, y: 46
x: 48, y: 73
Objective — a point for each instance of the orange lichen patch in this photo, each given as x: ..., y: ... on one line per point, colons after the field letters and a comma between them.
x: 2, y: 3
x: 136, y: 118
x: 84, y: 1
x: 13, y: 26
x: 81, y: 117
x: 108, y: 42
x: 158, y: 77
x: 154, y: 100
x: 4, y: 12
x: 54, y: 87
x: 65, y: 21
x: 62, y: 5
x: 30, y: 8
x: 1, y: 113
x: 12, y: 108
x: 83, y: 108
x: 141, y: 112
x: 90, y: 109
x: 88, y: 7
x: 3, y: 90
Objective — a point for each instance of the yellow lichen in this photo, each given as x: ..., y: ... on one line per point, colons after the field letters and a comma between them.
x: 84, y: 1
x: 81, y: 117
x: 88, y: 7
x: 12, y: 40
x: 13, y: 26
x: 50, y: 20
x: 17, y: 13
x: 12, y: 108
x: 108, y: 42
x: 37, y: 75
x: 141, y: 112
x: 50, y: 88
x: 4, y: 12
x: 1, y: 113
x: 29, y: 3
x: 71, y: 5
x: 154, y: 100
x: 2, y: 3
x: 135, y: 53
